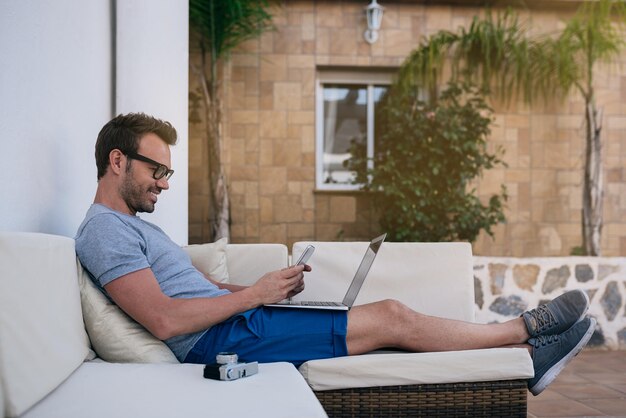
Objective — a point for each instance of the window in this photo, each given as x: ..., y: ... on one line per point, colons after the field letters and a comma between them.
x: 344, y: 113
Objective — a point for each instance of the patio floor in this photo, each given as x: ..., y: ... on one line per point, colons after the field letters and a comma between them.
x: 592, y: 385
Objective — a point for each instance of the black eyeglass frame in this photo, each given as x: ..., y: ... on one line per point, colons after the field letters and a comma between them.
x: 160, y: 170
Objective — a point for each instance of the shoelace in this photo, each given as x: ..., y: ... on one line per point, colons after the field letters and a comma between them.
x: 544, y: 340
x: 543, y: 316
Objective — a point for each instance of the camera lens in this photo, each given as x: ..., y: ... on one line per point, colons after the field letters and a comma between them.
x: 226, y: 358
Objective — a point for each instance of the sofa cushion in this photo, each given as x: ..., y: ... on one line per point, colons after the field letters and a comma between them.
x: 392, y: 369
x: 432, y: 278
x: 106, y: 390
x: 114, y: 335
x: 248, y: 262
x: 42, y: 336
x: 210, y: 259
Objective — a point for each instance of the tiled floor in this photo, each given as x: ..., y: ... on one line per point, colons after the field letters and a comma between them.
x: 592, y: 385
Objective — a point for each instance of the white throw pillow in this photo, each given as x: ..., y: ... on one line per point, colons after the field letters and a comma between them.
x: 115, y: 336
x: 210, y: 259
x: 118, y: 338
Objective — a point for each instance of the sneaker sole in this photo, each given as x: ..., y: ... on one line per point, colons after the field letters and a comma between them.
x: 554, y: 371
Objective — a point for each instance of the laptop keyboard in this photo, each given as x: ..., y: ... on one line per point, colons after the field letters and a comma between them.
x: 316, y: 303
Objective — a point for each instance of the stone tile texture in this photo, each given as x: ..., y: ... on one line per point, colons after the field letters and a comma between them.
x: 501, y: 294
x: 268, y: 88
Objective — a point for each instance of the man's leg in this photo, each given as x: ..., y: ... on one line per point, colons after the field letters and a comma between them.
x: 391, y: 324
x: 553, y: 333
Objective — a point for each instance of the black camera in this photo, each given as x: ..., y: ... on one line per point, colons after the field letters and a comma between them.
x: 228, y: 367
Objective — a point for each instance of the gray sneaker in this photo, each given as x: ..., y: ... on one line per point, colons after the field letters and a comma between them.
x: 552, y: 353
x: 556, y: 316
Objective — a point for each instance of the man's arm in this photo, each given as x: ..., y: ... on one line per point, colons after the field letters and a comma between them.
x: 227, y: 286
x: 236, y: 288
x: 140, y: 296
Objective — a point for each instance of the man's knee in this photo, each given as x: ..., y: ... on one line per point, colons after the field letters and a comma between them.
x: 395, y: 309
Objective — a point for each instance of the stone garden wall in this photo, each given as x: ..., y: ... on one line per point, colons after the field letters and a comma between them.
x: 505, y: 287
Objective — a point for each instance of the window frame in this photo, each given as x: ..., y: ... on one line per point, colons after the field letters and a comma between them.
x: 371, y: 79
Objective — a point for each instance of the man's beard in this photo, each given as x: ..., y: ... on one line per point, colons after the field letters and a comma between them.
x: 135, y: 198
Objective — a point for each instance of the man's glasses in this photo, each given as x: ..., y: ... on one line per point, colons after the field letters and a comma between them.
x: 160, y: 170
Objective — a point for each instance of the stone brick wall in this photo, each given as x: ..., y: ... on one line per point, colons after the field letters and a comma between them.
x: 268, y: 91
x: 506, y: 287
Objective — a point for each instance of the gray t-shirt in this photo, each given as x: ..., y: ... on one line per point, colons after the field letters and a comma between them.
x: 111, y: 244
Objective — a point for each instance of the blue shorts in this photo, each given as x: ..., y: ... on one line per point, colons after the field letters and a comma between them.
x: 275, y: 334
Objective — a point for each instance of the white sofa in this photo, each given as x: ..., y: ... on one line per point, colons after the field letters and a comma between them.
x: 51, y: 320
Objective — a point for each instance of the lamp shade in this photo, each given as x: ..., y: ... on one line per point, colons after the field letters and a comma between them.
x: 374, y: 14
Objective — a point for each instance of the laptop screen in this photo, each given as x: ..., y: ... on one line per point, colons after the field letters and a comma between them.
x: 361, y: 273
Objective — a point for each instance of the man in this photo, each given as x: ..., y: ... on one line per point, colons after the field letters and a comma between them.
x: 152, y: 280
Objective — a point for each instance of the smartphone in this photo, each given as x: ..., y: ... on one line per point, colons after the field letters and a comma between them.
x: 306, y: 254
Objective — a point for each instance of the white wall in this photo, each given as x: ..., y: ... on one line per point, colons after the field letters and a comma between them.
x: 152, y: 77
x: 56, y: 92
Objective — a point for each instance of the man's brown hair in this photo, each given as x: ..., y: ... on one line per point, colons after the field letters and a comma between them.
x: 124, y: 132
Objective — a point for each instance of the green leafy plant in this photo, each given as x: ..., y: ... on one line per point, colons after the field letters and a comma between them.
x: 427, y: 155
x: 499, y: 52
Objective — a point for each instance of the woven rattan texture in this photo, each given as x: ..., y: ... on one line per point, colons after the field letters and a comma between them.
x: 479, y: 399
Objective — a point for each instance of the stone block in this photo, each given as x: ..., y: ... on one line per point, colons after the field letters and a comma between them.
x: 273, y: 180
x: 288, y: 40
x: 307, y: 26
x: 252, y: 195
x: 497, y: 273
x: 556, y: 278
x: 301, y: 173
x: 329, y: 14
x: 611, y: 301
x: 266, y: 95
x: 583, y: 272
x: 240, y: 59
x: 550, y: 241
x: 266, y: 209
x: 266, y: 153
x: 327, y: 232
x: 287, y: 208
x: 398, y: 42
x: 245, y: 173
x: 273, y: 67
x: 342, y: 209
x: 273, y: 124
x: 517, y: 121
x: 322, y: 209
x: 244, y: 116
x: 301, y: 117
x: 300, y: 231
x: 343, y: 41
x: 287, y: 153
x: 275, y: 233
x: 509, y: 306
x: 557, y: 154
x: 252, y: 223
x: 322, y: 44
x: 526, y: 275
x: 438, y: 18
x: 568, y: 122
x: 305, y: 61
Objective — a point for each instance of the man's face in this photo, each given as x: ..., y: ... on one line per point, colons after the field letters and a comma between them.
x: 139, y: 189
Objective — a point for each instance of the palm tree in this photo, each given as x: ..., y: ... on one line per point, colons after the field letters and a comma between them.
x: 216, y: 28
x: 497, y: 53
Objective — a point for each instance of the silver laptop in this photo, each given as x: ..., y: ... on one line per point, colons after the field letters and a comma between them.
x: 353, y: 290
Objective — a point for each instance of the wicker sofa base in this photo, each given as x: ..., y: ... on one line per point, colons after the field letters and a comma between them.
x: 506, y: 398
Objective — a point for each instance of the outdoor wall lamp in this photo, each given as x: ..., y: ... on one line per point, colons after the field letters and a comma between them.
x: 374, y: 13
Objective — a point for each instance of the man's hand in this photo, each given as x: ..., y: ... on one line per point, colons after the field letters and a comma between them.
x: 278, y: 285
